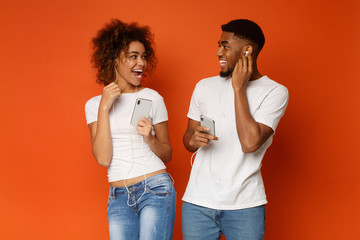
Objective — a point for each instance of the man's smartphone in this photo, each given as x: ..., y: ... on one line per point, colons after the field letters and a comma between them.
x: 209, y: 123
x: 141, y: 109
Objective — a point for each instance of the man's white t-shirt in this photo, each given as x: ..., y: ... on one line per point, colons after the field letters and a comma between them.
x: 132, y: 157
x: 222, y: 176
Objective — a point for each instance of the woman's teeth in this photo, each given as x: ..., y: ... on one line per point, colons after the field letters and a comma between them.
x: 138, y: 73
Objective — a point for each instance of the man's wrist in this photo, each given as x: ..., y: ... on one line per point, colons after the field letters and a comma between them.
x: 240, y: 90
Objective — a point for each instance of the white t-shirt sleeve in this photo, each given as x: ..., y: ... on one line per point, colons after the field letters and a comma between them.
x: 272, y: 107
x: 194, y: 109
x: 91, y: 110
x: 158, y: 111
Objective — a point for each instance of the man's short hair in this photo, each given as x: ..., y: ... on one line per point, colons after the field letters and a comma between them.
x: 246, y: 29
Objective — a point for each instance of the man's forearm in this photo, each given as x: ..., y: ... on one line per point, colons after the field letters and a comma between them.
x: 248, y: 130
x: 186, y: 140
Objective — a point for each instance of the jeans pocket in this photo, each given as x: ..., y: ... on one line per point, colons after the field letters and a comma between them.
x: 162, y: 188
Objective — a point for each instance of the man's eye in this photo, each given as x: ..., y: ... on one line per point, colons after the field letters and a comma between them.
x: 225, y: 47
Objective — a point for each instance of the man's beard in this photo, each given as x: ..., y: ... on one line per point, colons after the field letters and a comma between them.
x: 227, y: 73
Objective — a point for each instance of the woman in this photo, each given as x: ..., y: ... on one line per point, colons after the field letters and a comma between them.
x: 142, y: 198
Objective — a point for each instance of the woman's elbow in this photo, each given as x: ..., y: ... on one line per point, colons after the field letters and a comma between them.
x: 102, y: 160
x: 168, y: 156
x: 103, y: 163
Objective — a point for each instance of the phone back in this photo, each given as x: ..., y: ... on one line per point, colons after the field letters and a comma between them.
x: 141, y: 109
x: 209, y: 123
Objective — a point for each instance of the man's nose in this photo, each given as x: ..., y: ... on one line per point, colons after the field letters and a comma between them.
x: 219, y: 52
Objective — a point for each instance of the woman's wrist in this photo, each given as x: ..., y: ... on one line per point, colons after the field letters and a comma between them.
x: 150, y: 140
x: 104, y: 108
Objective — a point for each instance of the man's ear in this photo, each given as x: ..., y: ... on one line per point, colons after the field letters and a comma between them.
x: 248, y: 50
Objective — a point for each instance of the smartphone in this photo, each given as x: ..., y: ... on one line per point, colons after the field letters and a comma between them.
x: 141, y: 109
x: 209, y: 123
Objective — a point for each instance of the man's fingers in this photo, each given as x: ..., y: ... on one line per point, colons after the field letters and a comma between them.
x: 250, y: 63
x: 211, y: 137
x: 202, y: 145
x: 207, y: 136
x: 202, y: 129
x: 245, y: 63
x: 203, y: 133
x: 201, y: 139
x: 238, y: 65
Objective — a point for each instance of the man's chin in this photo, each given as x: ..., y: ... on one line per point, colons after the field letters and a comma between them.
x: 226, y: 74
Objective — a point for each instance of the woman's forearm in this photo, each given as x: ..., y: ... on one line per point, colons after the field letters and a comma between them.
x: 162, y: 150
x: 102, y: 144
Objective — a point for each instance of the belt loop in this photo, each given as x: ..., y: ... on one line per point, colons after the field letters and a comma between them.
x: 172, y: 179
x: 113, y: 192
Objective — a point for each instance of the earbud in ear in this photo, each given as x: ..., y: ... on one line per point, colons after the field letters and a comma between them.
x: 246, y: 53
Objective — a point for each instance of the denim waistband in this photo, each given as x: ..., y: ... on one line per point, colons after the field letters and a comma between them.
x: 159, y: 178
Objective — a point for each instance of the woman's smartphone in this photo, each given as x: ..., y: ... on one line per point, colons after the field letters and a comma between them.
x: 209, y: 123
x: 141, y: 109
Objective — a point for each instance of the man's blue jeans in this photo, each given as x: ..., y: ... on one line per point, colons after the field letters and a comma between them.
x: 201, y: 223
x: 146, y: 212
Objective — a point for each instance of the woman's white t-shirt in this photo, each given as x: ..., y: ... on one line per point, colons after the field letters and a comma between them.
x: 132, y: 157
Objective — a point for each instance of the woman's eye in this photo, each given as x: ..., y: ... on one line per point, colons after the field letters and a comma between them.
x: 133, y: 56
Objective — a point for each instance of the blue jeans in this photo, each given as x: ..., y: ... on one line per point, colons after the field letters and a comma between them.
x: 201, y: 223
x: 146, y: 212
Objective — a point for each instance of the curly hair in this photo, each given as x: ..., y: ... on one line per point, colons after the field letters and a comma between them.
x: 114, y: 38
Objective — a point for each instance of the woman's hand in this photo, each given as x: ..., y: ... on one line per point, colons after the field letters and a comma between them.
x: 110, y: 92
x: 144, y: 128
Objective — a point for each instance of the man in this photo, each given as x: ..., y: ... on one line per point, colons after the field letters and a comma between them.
x: 225, y: 193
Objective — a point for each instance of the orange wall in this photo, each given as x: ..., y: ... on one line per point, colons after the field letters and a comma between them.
x: 51, y: 186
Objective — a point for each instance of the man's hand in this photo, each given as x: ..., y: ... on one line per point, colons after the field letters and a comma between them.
x: 242, y: 72
x: 201, y: 138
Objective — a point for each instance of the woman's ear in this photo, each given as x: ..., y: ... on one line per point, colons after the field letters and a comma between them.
x: 116, y: 62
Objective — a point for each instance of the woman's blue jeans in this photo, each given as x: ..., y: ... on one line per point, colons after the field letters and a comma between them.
x: 145, y: 211
x: 201, y: 223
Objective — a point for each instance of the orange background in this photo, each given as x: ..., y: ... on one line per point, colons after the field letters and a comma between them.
x: 52, y: 188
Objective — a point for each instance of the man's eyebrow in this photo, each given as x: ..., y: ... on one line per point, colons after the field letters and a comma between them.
x: 223, y: 42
